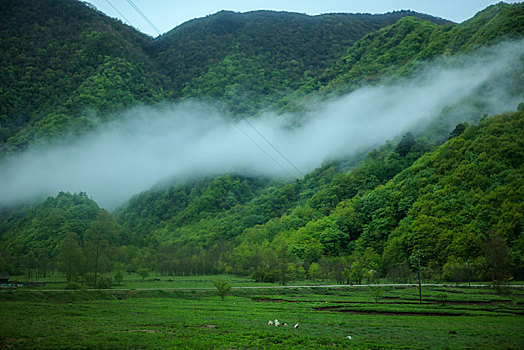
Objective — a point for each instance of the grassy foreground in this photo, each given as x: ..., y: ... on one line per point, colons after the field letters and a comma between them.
x: 375, y: 317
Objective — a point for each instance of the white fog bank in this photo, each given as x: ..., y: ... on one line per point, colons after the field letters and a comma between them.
x: 151, y: 144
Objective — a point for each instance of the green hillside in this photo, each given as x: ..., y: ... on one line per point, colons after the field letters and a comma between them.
x: 453, y: 200
x: 259, y: 56
x: 61, y: 65
x: 54, y: 233
x: 66, y: 68
x: 447, y: 205
x: 399, y: 48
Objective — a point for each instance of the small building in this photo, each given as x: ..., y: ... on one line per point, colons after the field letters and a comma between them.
x: 4, y: 277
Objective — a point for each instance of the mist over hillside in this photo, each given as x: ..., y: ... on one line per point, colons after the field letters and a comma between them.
x: 68, y: 68
x: 150, y: 144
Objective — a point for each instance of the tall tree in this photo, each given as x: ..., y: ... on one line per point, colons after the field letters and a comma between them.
x: 70, y: 256
x: 99, y: 237
x: 497, y: 258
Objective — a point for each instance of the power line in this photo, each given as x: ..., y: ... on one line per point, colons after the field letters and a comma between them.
x: 260, y: 148
x: 234, y: 123
x: 144, y: 16
x: 120, y: 13
x: 274, y: 147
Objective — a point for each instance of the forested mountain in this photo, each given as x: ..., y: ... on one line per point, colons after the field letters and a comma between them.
x: 454, y: 198
x: 447, y: 205
x: 66, y: 67
x: 61, y: 63
x: 249, y: 59
x: 399, y: 48
x: 443, y: 205
x: 57, y: 228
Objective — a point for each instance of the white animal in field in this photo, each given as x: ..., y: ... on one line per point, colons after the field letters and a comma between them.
x: 277, y: 323
x: 270, y: 323
x: 296, y: 325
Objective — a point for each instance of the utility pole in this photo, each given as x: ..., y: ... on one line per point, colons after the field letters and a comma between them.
x: 419, y: 282
x: 467, y: 271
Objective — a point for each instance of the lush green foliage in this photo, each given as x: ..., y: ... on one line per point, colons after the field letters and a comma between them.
x: 260, y: 56
x: 61, y: 64
x: 65, y: 67
x: 459, y: 205
x: 467, y: 188
x: 223, y: 288
x: 451, y: 205
x: 401, y: 47
x: 68, y: 232
x: 187, y: 203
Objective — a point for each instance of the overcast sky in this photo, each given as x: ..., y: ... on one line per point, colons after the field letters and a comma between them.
x: 166, y: 15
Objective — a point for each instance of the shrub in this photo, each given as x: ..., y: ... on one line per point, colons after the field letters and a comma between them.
x: 223, y: 288
x: 73, y: 285
x: 143, y: 272
x: 119, y: 276
x: 377, y: 293
x: 266, y: 275
x: 104, y: 283
x: 442, y: 298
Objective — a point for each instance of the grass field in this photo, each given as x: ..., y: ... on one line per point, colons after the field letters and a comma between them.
x: 375, y: 317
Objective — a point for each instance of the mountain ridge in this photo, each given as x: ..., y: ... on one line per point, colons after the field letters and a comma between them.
x: 42, y: 100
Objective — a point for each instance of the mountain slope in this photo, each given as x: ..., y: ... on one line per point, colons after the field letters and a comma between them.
x: 33, y: 239
x: 469, y: 187
x: 399, y: 48
x: 60, y: 60
x: 259, y: 55
x: 209, y: 222
x: 66, y: 66
x: 449, y: 205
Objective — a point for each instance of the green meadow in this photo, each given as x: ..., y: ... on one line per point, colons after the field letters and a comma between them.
x: 197, y: 318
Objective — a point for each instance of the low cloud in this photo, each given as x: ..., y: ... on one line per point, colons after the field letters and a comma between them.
x: 150, y: 144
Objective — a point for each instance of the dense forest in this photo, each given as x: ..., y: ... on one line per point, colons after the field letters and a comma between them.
x: 67, y: 67
x: 448, y: 195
